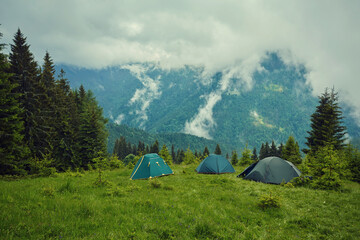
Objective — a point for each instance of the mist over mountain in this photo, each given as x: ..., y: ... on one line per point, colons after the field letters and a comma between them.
x: 234, y: 107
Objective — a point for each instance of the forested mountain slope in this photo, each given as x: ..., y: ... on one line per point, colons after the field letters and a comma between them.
x: 228, y: 108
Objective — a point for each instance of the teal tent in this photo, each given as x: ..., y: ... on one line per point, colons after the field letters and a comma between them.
x: 271, y: 170
x: 149, y: 166
x: 215, y: 164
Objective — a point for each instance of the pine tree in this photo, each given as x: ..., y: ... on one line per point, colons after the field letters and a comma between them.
x: 279, y: 151
x: 155, y: 147
x: 217, y: 149
x: 173, y: 154
x: 206, y: 152
x: 65, y: 126
x: 267, y: 150
x: 254, y: 156
x: 262, y: 153
x: 246, y: 156
x: 291, y: 151
x: 92, y: 131
x: 189, y: 157
x: 34, y: 98
x: 234, y: 158
x: 273, y: 149
x: 164, y: 154
x: 25, y: 75
x: 11, y: 124
x: 326, y: 124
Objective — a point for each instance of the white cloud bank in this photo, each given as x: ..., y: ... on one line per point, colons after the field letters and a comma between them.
x: 324, y: 35
x: 144, y: 96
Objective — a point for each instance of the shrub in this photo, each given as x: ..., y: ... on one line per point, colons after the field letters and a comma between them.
x: 115, y: 191
x: 155, y: 183
x: 48, y: 191
x: 269, y: 201
x: 203, y: 231
x: 114, y: 162
x: 328, y: 181
x: 301, y: 181
x: 67, y: 187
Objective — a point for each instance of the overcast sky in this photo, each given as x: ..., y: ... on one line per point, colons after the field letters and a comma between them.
x: 322, y: 35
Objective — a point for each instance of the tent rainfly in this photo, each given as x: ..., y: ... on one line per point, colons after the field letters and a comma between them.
x: 215, y: 164
x: 271, y: 170
x: 149, y: 166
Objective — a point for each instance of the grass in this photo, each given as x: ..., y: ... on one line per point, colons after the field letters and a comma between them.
x: 185, y: 205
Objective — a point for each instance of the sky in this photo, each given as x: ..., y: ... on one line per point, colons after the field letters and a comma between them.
x: 323, y: 35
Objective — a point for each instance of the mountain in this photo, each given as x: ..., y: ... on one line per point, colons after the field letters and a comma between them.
x: 232, y: 107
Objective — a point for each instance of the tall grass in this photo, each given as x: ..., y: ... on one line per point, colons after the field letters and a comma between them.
x: 185, y: 205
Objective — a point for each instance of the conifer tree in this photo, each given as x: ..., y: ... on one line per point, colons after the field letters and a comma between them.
x: 11, y: 124
x: 173, y: 154
x: 164, y: 154
x: 217, y: 149
x: 65, y: 125
x: 246, y: 156
x: 155, y: 147
x: 267, y: 150
x: 92, y: 131
x: 279, y: 150
x: 273, y: 149
x: 291, y: 151
x: 206, y: 152
x: 254, y: 156
x: 234, y: 158
x: 262, y: 153
x: 326, y: 124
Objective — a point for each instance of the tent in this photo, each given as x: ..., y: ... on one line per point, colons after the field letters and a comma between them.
x: 271, y: 170
x: 215, y: 164
x: 149, y: 166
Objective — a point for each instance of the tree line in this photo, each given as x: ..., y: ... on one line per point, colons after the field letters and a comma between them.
x: 44, y: 124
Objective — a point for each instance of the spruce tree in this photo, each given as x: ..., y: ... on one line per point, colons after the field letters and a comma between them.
x: 12, y: 149
x: 262, y: 153
x: 291, y: 151
x: 26, y: 74
x: 234, y: 158
x: 164, y: 154
x: 326, y: 124
x: 254, y: 156
x: 155, y: 147
x: 92, y: 131
x: 65, y: 125
x: 217, y: 149
x: 206, y: 152
x: 273, y: 149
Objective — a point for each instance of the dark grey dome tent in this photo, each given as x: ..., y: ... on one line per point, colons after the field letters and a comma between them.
x: 215, y: 164
x: 271, y: 170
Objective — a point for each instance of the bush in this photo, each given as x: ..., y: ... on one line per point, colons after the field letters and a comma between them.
x: 48, y: 191
x: 328, y: 181
x: 114, y: 162
x: 301, y: 181
x: 155, y: 183
x: 269, y: 201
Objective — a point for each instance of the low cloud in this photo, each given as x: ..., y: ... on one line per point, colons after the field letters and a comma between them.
x: 323, y: 35
x: 143, y: 97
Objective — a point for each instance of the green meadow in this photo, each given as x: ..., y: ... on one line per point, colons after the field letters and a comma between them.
x: 185, y: 205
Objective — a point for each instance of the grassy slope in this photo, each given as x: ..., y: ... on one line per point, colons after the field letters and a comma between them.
x: 186, y: 206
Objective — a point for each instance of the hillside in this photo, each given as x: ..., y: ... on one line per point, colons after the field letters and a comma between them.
x: 228, y: 108
x: 185, y: 205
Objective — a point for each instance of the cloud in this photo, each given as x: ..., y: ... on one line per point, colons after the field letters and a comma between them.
x: 237, y: 78
x: 323, y: 35
x: 145, y: 95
